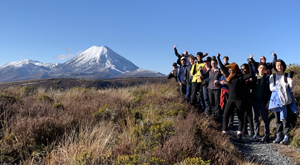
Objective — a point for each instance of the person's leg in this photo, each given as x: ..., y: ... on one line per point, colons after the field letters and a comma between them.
x: 279, y: 127
x: 206, y: 100
x: 217, y: 93
x: 265, y: 114
x: 188, y: 93
x: 240, y: 113
x: 193, y: 93
x: 255, y: 111
x: 248, y: 108
x: 228, y: 110
x: 211, y: 100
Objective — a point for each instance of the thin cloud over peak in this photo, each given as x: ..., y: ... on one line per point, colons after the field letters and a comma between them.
x: 64, y: 56
x: 68, y: 49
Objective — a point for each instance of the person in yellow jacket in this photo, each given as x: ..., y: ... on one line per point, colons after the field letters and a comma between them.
x: 196, y: 81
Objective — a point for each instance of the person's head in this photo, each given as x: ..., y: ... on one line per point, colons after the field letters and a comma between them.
x: 263, y: 59
x: 191, y: 59
x: 199, y: 56
x: 183, y: 61
x: 207, y: 62
x: 261, y: 68
x: 174, y: 65
x: 185, y: 53
x: 233, y: 70
x: 280, y: 66
x: 214, y: 62
x: 245, y: 68
x: 225, y: 59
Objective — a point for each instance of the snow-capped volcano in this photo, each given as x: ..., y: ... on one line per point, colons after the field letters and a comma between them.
x: 18, y: 64
x: 97, y: 62
x: 97, y: 59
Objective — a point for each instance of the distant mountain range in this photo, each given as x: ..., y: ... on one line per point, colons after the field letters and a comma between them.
x: 97, y: 62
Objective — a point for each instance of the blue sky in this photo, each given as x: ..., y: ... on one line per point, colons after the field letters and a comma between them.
x: 145, y: 32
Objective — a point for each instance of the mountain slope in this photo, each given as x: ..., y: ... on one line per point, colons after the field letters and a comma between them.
x: 97, y: 59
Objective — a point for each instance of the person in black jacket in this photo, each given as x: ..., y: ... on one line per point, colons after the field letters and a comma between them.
x: 173, y: 73
x: 270, y: 65
x: 185, y: 55
x: 187, y: 77
x: 236, y: 97
x: 259, y: 99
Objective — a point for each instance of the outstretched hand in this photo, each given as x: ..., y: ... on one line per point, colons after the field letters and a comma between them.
x: 218, y: 55
x: 175, y: 46
x: 273, y: 53
x: 251, y: 56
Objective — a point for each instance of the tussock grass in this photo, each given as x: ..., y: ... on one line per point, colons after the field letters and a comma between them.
x: 148, y: 123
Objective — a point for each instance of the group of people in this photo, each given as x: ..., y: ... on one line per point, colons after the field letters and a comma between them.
x: 251, y: 91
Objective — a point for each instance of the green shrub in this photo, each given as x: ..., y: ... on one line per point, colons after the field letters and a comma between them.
x: 45, y: 98
x: 194, y: 161
x: 58, y: 106
x: 82, y: 158
x: 27, y: 90
x: 296, y: 139
x: 8, y: 99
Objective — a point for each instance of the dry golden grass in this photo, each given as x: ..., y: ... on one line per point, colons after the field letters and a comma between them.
x: 134, y: 125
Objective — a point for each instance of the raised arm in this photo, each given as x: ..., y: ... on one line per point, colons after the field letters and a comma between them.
x: 224, y: 69
x: 272, y: 64
x: 250, y: 74
x: 176, y: 53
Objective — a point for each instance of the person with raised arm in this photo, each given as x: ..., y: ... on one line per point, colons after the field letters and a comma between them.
x: 196, y: 81
x: 185, y: 54
x: 259, y: 99
x: 262, y: 59
x: 236, y: 97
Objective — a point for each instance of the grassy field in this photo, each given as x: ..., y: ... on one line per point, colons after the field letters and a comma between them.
x: 141, y: 124
x: 145, y: 122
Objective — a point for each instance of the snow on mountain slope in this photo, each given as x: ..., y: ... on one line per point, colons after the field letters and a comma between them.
x: 97, y: 59
x: 18, y: 64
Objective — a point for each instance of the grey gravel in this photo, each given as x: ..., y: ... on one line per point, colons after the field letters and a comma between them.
x: 259, y: 152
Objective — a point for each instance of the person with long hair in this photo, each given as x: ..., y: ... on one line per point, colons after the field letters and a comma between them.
x: 237, y: 92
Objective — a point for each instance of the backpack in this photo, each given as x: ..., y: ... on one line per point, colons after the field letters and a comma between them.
x: 285, y: 77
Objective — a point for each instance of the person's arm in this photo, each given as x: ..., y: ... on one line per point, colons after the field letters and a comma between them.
x: 290, y: 82
x: 272, y: 64
x: 250, y: 74
x: 178, y: 76
x: 272, y: 83
x: 170, y: 75
x: 224, y: 69
x: 176, y: 53
x: 255, y: 64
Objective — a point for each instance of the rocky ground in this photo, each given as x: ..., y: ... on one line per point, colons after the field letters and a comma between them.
x: 265, y: 153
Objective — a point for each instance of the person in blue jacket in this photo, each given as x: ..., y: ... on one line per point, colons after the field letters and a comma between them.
x: 279, y: 82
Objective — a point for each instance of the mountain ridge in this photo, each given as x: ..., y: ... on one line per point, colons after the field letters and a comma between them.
x: 97, y: 62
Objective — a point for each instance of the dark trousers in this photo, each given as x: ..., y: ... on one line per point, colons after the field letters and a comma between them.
x: 188, y: 93
x: 248, y: 117
x: 206, y: 100
x: 182, y: 88
x: 214, y: 99
x: 260, y: 107
x: 284, y: 125
x: 231, y: 104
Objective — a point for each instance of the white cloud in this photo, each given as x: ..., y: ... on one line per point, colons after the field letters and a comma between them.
x: 68, y: 49
x: 64, y: 56
x: 26, y: 52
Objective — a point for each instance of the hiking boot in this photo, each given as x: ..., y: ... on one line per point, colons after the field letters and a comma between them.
x: 265, y: 139
x: 285, y: 140
x: 255, y: 137
x: 239, y: 138
x: 278, y: 138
